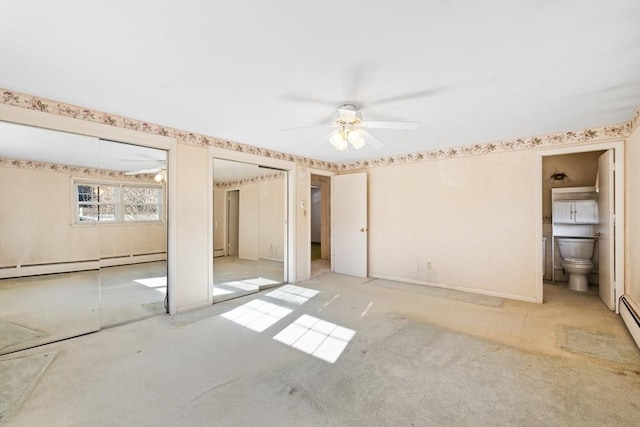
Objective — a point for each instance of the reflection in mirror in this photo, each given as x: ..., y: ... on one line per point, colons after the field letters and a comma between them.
x: 249, y: 233
x: 49, y: 268
x: 83, y: 235
x: 130, y: 213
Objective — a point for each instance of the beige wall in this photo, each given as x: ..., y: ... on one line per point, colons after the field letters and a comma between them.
x: 271, y: 227
x: 471, y: 218
x: 33, y: 234
x: 261, y: 219
x: 248, y: 222
x: 37, y: 227
x: 193, y: 226
x: 466, y: 223
x: 632, y: 217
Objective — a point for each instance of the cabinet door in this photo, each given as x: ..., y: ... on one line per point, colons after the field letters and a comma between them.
x: 562, y: 212
x: 586, y: 212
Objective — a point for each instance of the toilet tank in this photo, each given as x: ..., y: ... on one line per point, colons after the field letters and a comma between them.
x: 576, y: 248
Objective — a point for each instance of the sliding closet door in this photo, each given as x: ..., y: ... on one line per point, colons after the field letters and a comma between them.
x: 132, y: 233
x: 249, y: 228
x: 49, y: 245
x: 272, y: 190
x: 235, y: 229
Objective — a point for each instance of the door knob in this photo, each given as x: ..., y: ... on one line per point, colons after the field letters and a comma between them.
x: 362, y: 230
x: 597, y: 234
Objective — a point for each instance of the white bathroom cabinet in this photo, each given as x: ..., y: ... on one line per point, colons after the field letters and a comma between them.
x: 575, y: 212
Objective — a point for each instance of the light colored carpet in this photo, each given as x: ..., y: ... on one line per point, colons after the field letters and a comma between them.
x: 433, y: 291
x: 414, y: 360
x: 12, y: 335
x: 18, y: 376
x: 596, y: 344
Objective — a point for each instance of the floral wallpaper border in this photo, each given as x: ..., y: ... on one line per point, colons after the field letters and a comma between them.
x: 565, y: 138
x: 634, y: 122
x: 251, y: 180
x: 74, y: 170
x: 49, y: 106
x: 571, y: 137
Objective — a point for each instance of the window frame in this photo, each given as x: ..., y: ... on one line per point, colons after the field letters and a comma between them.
x: 119, y: 202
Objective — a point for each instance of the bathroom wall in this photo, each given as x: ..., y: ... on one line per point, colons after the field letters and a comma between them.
x: 582, y: 169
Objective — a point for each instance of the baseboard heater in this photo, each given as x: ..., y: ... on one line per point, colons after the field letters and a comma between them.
x: 631, y: 315
x: 24, y: 270
x: 113, y: 261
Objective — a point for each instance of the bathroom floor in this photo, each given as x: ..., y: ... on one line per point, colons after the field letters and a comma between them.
x: 593, y: 289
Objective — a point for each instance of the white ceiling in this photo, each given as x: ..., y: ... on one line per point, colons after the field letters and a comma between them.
x: 46, y: 145
x: 468, y: 72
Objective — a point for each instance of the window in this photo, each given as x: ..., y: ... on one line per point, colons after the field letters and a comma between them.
x: 141, y: 203
x: 96, y: 202
x: 111, y: 202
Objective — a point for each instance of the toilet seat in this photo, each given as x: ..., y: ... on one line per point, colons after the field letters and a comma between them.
x: 577, y: 261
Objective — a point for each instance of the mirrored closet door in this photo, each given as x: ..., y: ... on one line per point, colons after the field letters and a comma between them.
x: 249, y: 230
x: 82, y: 235
x: 133, y: 233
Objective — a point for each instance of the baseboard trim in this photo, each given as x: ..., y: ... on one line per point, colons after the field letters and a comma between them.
x: 455, y: 288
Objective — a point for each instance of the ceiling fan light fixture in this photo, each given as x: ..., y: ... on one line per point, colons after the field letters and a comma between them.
x: 159, y: 177
x: 347, y: 112
x: 355, y: 139
x: 338, y: 141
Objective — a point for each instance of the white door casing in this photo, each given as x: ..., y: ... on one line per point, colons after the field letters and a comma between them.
x: 349, y: 224
x: 606, y: 236
x: 233, y: 212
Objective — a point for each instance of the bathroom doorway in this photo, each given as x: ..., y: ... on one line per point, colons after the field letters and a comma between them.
x: 570, y: 168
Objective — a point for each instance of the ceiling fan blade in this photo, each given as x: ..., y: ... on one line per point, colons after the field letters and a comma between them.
x: 143, y: 171
x: 374, y: 142
x: 377, y: 124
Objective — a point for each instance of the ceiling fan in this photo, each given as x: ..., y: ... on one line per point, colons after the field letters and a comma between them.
x: 160, y: 173
x: 351, y: 129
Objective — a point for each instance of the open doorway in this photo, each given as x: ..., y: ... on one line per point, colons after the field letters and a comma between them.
x: 320, y: 251
x: 581, y: 192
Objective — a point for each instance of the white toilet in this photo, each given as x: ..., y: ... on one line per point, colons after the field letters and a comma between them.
x: 576, y: 261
